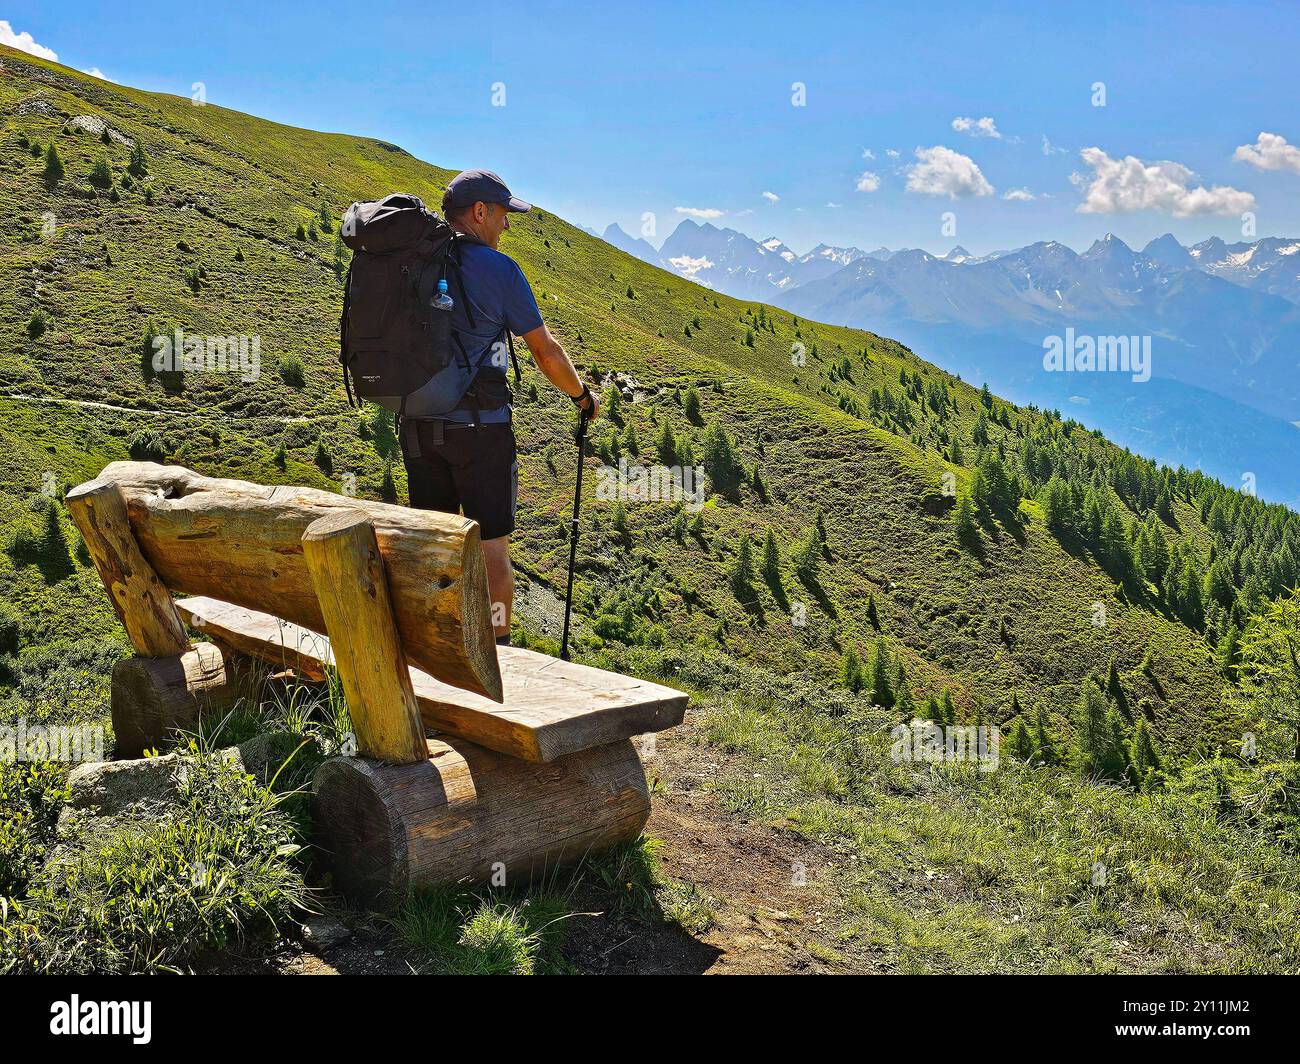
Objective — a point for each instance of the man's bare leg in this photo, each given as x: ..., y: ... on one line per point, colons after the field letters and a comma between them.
x: 501, y: 582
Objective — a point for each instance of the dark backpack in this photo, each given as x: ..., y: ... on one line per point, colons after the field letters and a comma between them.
x: 393, y: 340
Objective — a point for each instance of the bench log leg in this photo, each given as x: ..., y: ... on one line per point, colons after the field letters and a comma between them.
x: 471, y: 813
x: 140, y: 598
x: 351, y: 585
x: 153, y: 697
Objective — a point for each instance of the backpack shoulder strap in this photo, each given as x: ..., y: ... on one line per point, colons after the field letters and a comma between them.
x: 453, y: 259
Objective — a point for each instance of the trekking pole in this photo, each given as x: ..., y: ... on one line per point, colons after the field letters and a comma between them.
x: 573, y: 537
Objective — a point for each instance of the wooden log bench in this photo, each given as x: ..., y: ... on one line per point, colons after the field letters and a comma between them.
x: 475, y: 762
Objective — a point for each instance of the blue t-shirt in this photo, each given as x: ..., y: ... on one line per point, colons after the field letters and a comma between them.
x: 501, y: 298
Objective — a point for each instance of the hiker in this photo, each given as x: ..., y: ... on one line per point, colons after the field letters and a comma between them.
x: 465, y: 459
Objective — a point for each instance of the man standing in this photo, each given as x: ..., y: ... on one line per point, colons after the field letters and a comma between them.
x: 465, y: 461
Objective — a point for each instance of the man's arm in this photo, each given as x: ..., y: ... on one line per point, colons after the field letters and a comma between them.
x: 555, y: 365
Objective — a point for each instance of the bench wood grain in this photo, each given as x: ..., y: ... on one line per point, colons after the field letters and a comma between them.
x: 550, y: 707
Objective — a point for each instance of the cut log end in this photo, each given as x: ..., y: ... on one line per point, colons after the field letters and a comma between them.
x: 339, y: 523
x: 470, y: 814
x: 362, y: 836
x: 153, y: 698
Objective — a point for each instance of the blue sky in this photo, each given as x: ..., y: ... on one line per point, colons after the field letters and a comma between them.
x: 614, y: 110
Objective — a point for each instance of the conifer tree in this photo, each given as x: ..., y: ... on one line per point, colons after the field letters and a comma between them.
x: 720, y: 461
x: 882, y: 690
x: 964, y: 520
x: 691, y: 406
x: 614, y: 406
x: 1020, y: 744
x: 1228, y: 654
x: 1115, y: 689
x: 851, y: 671
x: 1098, y: 736
x: 618, y: 522
x: 808, y: 555
x: 1143, y: 756
x: 771, y: 560
x: 100, y: 175
x: 903, y: 702
x: 666, y: 445
x: 138, y: 166
x: 1044, y: 748
x: 742, y: 575
x: 947, y: 708
x: 53, y: 166
x: 324, y: 460
x: 1055, y: 501
x: 54, y: 540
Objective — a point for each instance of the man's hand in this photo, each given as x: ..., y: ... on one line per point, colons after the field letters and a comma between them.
x: 591, y: 405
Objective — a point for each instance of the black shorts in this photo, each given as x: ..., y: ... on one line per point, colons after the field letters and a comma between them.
x: 474, y: 470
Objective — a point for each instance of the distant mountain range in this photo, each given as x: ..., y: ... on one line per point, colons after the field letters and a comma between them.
x: 1223, y: 322
x: 731, y: 262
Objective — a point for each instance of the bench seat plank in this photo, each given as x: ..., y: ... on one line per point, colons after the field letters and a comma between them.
x: 551, y: 707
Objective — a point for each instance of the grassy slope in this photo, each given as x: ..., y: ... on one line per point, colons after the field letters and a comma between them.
x: 224, y: 182
x: 988, y: 872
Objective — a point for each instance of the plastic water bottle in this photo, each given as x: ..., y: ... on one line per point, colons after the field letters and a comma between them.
x: 442, y: 300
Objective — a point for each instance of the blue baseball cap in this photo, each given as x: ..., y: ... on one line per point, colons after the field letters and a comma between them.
x: 481, y: 186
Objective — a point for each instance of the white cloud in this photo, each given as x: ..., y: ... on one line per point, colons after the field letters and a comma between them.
x: 1019, y: 195
x: 1118, y: 186
x: 700, y: 212
x: 1270, y: 152
x: 892, y: 152
x: 868, y: 182
x: 867, y: 153
x: 833, y: 206
x: 24, y: 42
x: 95, y: 72
x: 771, y: 197
x: 940, y: 171
x: 1051, y: 149
x: 977, y: 127
x: 689, y: 267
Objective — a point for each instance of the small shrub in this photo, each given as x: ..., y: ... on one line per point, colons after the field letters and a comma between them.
x: 53, y: 166
x: 470, y: 933
x: 100, y: 175
x: 292, y: 373
x: 146, y: 445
